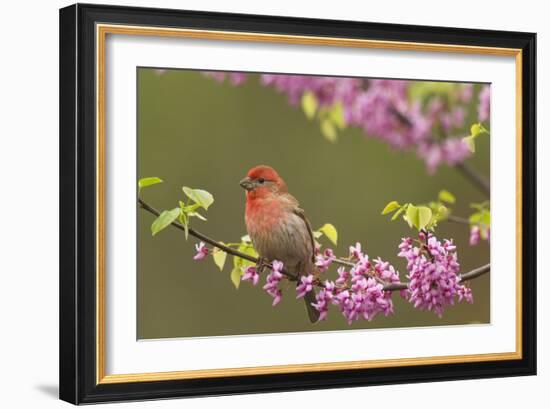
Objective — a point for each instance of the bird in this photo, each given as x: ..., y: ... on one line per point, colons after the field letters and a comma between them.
x: 278, y: 227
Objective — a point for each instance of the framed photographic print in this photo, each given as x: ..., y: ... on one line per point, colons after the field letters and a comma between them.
x: 258, y: 203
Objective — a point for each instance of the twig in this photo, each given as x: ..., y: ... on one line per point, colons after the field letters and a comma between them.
x: 457, y: 219
x: 476, y: 178
x: 212, y: 242
x: 476, y: 272
x: 470, y: 173
x: 387, y: 287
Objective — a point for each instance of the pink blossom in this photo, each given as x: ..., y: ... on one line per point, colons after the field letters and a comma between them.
x: 202, y: 251
x: 383, y: 110
x: 251, y: 274
x: 324, y: 260
x: 366, y: 300
x: 359, y: 292
x: 235, y: 78
x: 475, y: 235
x: 355, y: 251
x: 305, y: 286
x: 277, y: 295
x: 323, y: 299
x: 343, y: 276
x: 451, y: 151
x: 466, y: 93
x: 219, y: 76
x: 483, y: 109
x: 433, y: 273
x: 465, y: 293
x: 272, y: 282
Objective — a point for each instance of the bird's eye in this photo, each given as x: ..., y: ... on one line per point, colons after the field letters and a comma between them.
x: 261, y: 181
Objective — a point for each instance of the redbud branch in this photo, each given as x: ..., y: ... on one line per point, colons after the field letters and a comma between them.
x: 210, y: 241
x: 387, y: 286
x: 470, y: 275
x: 476, y: 272
x: 470, y: 173
x: 457, y: 219
x: 475, y: 177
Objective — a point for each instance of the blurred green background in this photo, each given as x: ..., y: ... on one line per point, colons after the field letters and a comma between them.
x: 197, y: 132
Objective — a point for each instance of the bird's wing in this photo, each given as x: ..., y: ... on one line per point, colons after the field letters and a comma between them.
x: 300, y: 212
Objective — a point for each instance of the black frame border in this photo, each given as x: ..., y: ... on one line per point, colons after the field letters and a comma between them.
x: 77, y: 284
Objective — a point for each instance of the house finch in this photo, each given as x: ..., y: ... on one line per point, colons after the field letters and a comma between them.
x: 278, y: 227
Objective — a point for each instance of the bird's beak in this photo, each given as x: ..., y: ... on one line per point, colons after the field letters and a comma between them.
x: 247, y: 183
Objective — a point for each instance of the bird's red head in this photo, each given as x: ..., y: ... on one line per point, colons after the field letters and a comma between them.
x: 262, y: 181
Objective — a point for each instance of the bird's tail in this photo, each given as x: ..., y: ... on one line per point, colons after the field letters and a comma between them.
x: 312, y: 313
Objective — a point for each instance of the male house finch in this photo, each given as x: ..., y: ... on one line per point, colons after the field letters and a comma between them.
x: 278, y: 227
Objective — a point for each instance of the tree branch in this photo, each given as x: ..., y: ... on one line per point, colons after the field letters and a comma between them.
x: 457, y: 219
x: 229, y: 250
x: 476, y: 272
x: 470, y: 173
x: 475, y: 177
x: 212, y: 242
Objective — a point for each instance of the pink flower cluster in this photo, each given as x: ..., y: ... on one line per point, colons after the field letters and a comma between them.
x: 324, y: 260
x: 483, y: 109
x: 272, y: 282
x: 476, y: 234
x: 433, y: 273
x: 357, y: 292
x: 382, y: 109
x: 235, y: 78
x: 305, y: 286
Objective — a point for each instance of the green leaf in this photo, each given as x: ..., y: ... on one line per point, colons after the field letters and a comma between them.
x: 199, y: 196
x: 235, y: 276
x: 477, y: 129
x: 219, y: 257
x: 246, y: 238
x: 317, y: 234
x: 337, y: 115
x: 330, y: 231
x: 184, y: 220
x: 197, y: 215
x: 424, y: 216
x: 486, y: 218
x: 442, y: 212
x: 396, y: 214
x: 412, y: 215
x: 475, y: 218
x: 165, y: 219
x: 309, y: 104
x: 480, y: 206
x: 249, y: 249
x: 470, y: 142
x: 239, y: 264
x: 328, y: 130
x: 418, y: 216
x: 390, y: 207
x: 144, y: 182
x: 446, y: 196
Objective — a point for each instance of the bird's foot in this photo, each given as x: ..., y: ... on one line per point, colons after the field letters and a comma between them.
x: 262, y: 264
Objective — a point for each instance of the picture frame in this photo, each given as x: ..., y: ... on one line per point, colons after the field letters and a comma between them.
x: 83, y: 214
